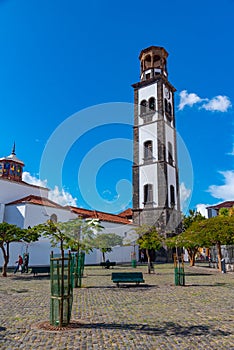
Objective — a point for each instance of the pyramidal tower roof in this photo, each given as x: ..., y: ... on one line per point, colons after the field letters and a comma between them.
x: 12, y: 157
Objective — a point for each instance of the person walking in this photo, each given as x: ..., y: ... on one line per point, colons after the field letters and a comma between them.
x: 25, y: 262
x: 19, y: 264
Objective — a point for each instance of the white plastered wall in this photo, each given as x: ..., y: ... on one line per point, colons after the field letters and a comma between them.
x: 146, y: 133
x: 171, y: 171
x: 11, y: 191
x: 148, y: 175
x: 39, y: 252
x: 146, y: 93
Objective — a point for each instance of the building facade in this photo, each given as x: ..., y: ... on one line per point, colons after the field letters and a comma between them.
x: 25, y: 205
x: 156, y: 199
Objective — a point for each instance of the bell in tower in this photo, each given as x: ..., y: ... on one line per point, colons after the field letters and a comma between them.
x: 156, y: 199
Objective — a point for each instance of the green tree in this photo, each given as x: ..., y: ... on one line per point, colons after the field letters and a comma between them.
x: 217, y: 231
x: 80, y: 233
x: 224, y: 212
x: 189, y: 219
x: 148, y: 239
x: 80, y: 237
x: 53, y: 231
x: 189, y: 238
x: 106, y: 241
x: 11, y: 233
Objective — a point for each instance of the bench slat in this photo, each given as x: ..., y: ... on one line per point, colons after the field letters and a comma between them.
x: 127, y: 277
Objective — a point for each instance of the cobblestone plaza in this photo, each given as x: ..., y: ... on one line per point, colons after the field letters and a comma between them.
x: 154, y: 315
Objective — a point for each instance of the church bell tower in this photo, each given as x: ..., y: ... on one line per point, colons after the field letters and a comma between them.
x: 156, y: 199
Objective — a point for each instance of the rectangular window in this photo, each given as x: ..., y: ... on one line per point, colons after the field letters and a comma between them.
x: 147, y: 76
x: 148, y: 193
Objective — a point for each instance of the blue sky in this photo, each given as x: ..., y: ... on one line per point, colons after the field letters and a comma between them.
x: 61, y: 57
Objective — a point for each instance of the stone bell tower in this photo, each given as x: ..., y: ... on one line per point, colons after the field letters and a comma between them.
x: 156, y: 199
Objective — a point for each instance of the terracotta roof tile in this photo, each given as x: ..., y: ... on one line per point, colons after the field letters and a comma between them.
x: 38, y: 201
x: 86, y: 213
x: 227, y: 204
x: 126, y: 213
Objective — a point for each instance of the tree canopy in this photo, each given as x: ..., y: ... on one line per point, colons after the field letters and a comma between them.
x: 77, y: 234
x: 149, y: 238
x: 192, y: 217
x: 217, y: 231
x: 106, y: 241
x: 11, y: 233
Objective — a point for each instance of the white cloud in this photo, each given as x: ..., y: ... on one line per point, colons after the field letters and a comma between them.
x: 224, y: 192
x: 218, y: 103
x: 188, y: 99
x: 201, y: 208
x: 184, y: 196
x: 60, y: 197
x: 27, y: 177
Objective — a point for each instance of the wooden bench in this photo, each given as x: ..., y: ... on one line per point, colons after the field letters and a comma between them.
x: 127, y: 277
x: 39, y: 269
x: 107, y: 264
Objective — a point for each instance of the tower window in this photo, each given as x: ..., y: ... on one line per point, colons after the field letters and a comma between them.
x: 170, y: 154
x: 152, y: 103
x: 157, y: 71
x: 166, y: 105
x: 148, y: 154
x: 156, y: 58
x: 169, y: 108
x: 148, y: 193
x: 172, y: 195
x: 147, y: 61
x: 143, y: 106
x: 147, y: 76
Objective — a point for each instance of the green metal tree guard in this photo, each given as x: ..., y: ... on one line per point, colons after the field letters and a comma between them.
x: 133, y: 259
x: 61, y: 282
x: 179, y: 270
x: 78, y: 269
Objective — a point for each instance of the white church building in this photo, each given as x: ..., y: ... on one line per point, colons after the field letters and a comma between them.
x: 25, y: 205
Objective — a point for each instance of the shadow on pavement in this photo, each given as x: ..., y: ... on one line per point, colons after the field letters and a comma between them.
x: 206, y: 285
x: 165, y: 328
x: 127, y: 286
x: 31, y: 277
x: 198, y: 274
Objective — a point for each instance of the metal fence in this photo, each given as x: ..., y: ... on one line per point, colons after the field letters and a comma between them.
x: 61, y: 282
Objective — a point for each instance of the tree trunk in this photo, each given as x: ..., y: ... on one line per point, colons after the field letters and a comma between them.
x: 103, y: 257
x: 6, y: 260
x: 219, y: 255
x: 148, y: 259
x: 192, y: 254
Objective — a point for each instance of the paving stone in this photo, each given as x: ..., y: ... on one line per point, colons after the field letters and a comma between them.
x: 157, y: 315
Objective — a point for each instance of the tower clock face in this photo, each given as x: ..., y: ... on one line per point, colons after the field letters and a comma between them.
x: 167, y: 93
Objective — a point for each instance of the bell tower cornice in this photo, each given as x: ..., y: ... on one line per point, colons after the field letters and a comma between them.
x: 153, y: 80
